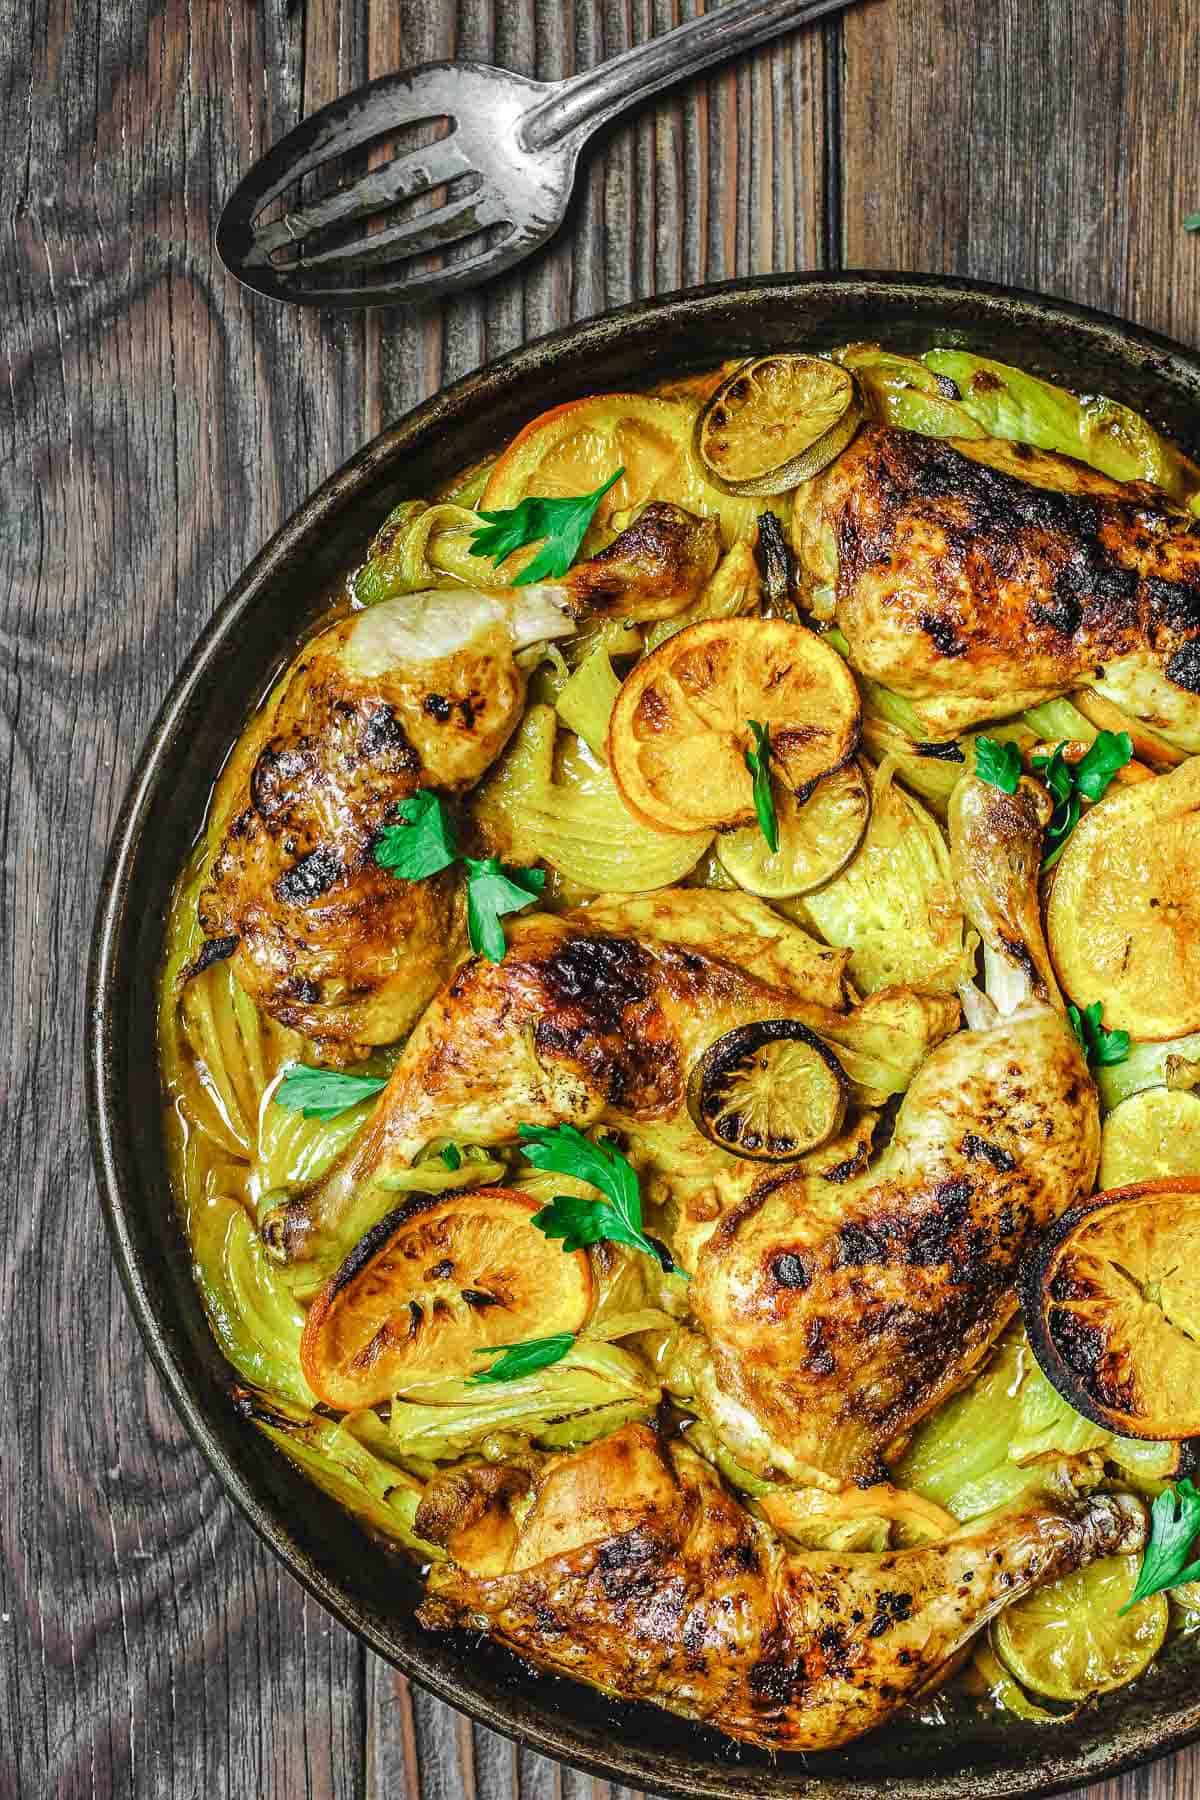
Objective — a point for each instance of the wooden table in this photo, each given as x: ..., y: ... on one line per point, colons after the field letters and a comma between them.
x: 156, y: 426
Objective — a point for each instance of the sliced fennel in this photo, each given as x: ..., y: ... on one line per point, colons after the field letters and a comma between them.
x: 894, y: 906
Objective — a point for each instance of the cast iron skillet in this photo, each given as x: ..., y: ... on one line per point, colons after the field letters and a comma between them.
x: 255, y: 629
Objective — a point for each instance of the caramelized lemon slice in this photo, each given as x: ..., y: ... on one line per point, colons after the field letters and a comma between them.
x: 777, y: 421
x: 680, y: 727
x: 572, y: 448
x: 769, y: 1091
x: 432, y: 1284
x: 817, y: 838
x: 1068, y: 1639
x: 1111, y: 1301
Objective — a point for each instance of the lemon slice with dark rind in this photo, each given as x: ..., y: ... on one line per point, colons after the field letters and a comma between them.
x: 1069, y: 1639
x: 776, y: 421
x: 769, y: 1091
x: 1111, y: 1299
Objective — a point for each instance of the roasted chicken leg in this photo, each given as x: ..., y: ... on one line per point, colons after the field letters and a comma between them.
x: 635, y: 1569
x: 977, y: 578
x: 837, y: 1317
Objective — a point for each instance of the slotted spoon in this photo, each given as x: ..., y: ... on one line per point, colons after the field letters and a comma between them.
x: 507, y: 162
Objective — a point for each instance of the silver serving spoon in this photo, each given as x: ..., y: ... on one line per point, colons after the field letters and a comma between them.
x: 507, y: 161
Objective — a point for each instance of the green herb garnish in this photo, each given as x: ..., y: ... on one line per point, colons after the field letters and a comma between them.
x: 758, y: 762
x: 1072, y: 783
x: 561, y: 523
x: 423, y: 841
x: 522, y: 1359
x: 564, y: 1150
x: 999, y: 764
x: 490, y: 895
x: 1100, y: 1047
x: 1174, y: 1527
x: 451, y: 1155
x: 324, y: 1093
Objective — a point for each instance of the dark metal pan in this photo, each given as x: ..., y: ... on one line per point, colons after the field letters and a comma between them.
x: 260, y: 621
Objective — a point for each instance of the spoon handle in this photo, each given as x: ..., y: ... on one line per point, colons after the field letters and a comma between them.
x: 587, y: 101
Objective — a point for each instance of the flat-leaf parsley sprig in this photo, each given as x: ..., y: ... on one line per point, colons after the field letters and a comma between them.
x: 564, y: 1150
x: 521, y: 1359
x: 561, y: 524
x: 324, y: 1093
x: 758, y: 762
x: 1072, y: 783
x: 998, y: 764
x: 421, y: 841
x: 1098, y: 1045
x: 1174, y: 1528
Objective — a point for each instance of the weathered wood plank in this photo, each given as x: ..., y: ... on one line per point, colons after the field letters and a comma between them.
x: 1049, y: 145
x: 155, y: 428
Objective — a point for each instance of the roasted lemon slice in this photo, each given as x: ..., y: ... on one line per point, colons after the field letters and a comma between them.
x: 435, y: 1282
x: 1069, y: 1639
x: 680, y: 727
x: 1149, y: 1136
x: 1123, y: 916
x: 572, y: 448
x: 768, y: 1091
x: 1111, y: 1300
x: 817, y: 838
x: 777, y: 421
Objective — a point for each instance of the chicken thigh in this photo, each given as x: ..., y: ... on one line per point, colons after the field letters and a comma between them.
x: 419, y: 691
x: 636, y: 1570
x: 598, y: 1016
x: 980, y: 577
x: 838, y: 1317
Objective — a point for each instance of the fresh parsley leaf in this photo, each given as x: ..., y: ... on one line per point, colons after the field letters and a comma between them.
x: 324, y: 1093
x: 1174, y: 1527
x: 1110, y: 752
x: 1071, y: 783
x: 522, y: 1359
x: 561, y: 523
x: 1058, y: 776
x: 451, y: 1155
x: 422, y: 839
x: 1098, y: 1045
x: 1192, y: 222
x: 580, y: 1222
x: 564, y: 1150
x: 999, y: 764
x: 758, y: 763
x: 490, y: 895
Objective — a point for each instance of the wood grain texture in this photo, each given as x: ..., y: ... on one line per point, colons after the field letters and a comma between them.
x: 1051, y: 145
x: 156, y: 425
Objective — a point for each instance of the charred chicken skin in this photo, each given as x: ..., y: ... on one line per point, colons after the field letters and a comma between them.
x: 980, y: 577
x: 420, y: 691
x: 839, y: 1318
x: 597, y: 1016
x: 629, y: 1565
